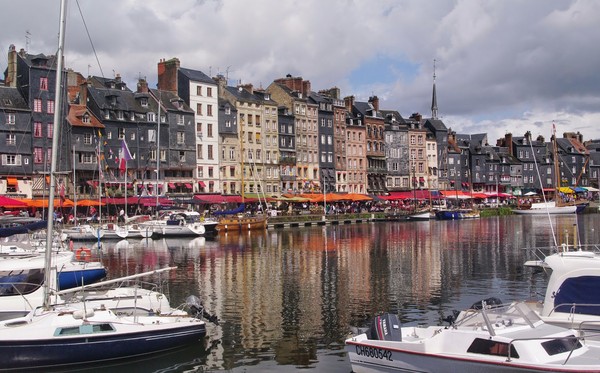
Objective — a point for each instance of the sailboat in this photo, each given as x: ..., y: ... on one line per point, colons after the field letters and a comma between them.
x: 236, y: 219
x: 558, y: 206
x: 78, y: 333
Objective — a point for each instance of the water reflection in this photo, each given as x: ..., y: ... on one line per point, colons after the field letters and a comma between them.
x: 287, y: 297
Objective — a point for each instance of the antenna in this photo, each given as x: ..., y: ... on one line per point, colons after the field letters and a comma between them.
x: 27, y: 40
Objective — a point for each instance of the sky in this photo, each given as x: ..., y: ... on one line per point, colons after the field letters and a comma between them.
x: 501, y: 66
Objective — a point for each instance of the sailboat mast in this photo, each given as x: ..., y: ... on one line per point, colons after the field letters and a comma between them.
x: 157, y: 152
x: 55, y: 143
x: 556, y: 166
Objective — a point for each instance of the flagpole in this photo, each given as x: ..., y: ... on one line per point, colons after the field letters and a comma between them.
x: 124, y: 217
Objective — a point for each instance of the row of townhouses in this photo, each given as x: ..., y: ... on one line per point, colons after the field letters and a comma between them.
x: 197, y: 134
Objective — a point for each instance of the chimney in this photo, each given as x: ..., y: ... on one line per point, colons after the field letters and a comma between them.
x: 248, y: 87
x: 11, y: 75
x: 374, y: 100
x: 142, y: 86
x: 306, y: 88
x: 349, y: 102
x: 167, y: 74
x: 222, y: 83
x: 508, y: 143
x: 83, y: 89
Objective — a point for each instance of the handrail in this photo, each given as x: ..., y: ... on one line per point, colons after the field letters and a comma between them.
x: 511, y: 343
x: 573, y: 307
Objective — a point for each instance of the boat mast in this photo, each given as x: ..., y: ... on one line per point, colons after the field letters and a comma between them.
x: 157, y: 151
x: 557, y: 200
x: 55, y: 143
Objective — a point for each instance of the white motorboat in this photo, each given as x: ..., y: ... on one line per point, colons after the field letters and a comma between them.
x: 181, y: 224
x: 119, y: 232
x: 508, y: 338
x: 550, y: 207
x: 572, y: 298
x: 84, y: 232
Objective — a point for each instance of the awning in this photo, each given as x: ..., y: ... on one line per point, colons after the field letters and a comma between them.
x: 12, y: 181
x: 172, y: 186
x: 421, y: 179
x: 189, y: 186
x: 92, y: 183
x: 201, y: 184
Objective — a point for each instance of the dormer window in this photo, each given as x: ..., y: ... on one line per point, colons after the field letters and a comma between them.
x: 227, y: 110
x: 144, y: 101
x: 120, y: 115
x: 151, y: 117
x: 85, y: 119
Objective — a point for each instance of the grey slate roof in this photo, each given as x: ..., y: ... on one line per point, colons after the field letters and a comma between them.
x: 11, y: 99
x: 197, y: 76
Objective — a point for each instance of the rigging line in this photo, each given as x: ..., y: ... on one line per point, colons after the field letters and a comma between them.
x: 90, y: 38
x: 537, y: 170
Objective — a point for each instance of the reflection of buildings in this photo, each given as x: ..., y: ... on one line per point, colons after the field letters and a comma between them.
x: 284, y: 295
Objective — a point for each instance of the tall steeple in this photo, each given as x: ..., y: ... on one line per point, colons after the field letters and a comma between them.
x: 434, y: 107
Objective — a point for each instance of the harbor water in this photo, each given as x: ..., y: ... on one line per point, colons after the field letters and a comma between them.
x: 287, y: 298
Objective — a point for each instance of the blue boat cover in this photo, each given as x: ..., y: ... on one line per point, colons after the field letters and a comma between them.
x: 580, y: 290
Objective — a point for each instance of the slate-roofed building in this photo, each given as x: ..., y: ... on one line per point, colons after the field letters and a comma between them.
x: 574, y: 158
x: 339, y: 138
x: 34, y: 76
x: 292, y: 93
x: 326, y: 145
x: 356, y: 145
x: 15, y: 144
x: 200, y: 93
x: 396, y: 151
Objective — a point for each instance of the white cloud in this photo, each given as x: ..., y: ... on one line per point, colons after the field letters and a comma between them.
x: 496, y: 59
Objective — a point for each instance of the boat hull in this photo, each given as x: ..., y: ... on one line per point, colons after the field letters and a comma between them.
x: 51, y: 352
x: 557, y: 210
x: 456, y: 214
x: 75, y: 278
x: 240, y: 224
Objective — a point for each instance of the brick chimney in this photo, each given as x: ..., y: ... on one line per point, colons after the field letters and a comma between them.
x: 508, y: 143
x: 11, y: 75
x: 142, y: 86
x: 374, y: 100
x: 248, y: 87
x: 349, y: 102
x: 167, y: 74
x: 306, y: 88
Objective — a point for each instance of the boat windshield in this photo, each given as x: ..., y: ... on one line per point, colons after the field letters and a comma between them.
x: 494, y: 318
x: 19, y: 282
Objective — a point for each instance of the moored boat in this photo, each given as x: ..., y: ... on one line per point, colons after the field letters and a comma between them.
x: 508, y: 338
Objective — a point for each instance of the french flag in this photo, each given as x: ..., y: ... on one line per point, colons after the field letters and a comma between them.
x: 124, y: 156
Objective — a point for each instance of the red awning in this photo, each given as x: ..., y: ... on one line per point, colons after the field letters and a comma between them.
x: 12, y: 181
x: 201, y: 184
x: 189, y: 186
x: 171, y: 185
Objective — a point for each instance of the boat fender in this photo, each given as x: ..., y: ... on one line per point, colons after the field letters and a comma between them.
x: 81, y: 314
x: 83, y: 254
x: 385, y: 328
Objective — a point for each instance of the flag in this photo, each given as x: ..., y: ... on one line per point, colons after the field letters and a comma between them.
x: 125, y: 156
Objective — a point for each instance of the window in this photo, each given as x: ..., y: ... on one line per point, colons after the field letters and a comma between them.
x: 37, y: 105
x: 180, y: 137
x: 199, y: 90
x: 209, y: 91
x: 121, y: 133
x: 209, y: 110
x: 210, y: 172
x: 37, y: 129
x: 199, y: 109
x: 199, y: 151
x: 50, y: 130
x: 50, y: 104
x: 44, y: 84
x: 228, y: 123
x: 182, y: 157
x: 227, y: 110
x: 180, y: 120
x: 11, y: 139
x: 210, y: 151
x: 151, y: 117
x: 209, y: 129
x: 10, y: 118
x: 85, y: 119
x: 87, y: 139
x: 38, y: 155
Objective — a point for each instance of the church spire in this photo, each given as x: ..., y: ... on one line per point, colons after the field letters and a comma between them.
x: 434, y: 107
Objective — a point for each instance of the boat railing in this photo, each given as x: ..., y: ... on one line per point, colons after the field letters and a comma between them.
x: 570, y: 338
x: 509, y: 313
x: 573, y: 307
x: 540, y: 253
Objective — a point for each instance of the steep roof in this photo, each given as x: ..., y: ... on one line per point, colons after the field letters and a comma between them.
x: 11, y: 99
x: 76, y: 114
x: 197, y: 76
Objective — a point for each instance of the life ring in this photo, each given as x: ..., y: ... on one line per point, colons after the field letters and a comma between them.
x: 83, y: 254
